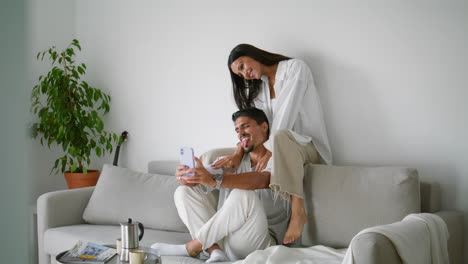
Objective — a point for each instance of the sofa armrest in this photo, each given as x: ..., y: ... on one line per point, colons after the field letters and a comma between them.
x: 59, y: 208
x: 377, y: 248
x: 454, y: 221
x: 374, y: 248
x: 62, y: 208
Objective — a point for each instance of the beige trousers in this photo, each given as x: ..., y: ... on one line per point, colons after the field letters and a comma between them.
x: 289, y: 158
x: 239, y: 227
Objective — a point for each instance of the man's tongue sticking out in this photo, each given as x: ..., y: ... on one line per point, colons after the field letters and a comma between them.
x: 244, y: 142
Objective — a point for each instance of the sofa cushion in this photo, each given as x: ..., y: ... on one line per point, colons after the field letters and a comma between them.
x: 164, y: 167
x: 210, y: 156
x: 341, y: 201
x: 60, y: 239
x: 123, y: 193
x: 430, y: 197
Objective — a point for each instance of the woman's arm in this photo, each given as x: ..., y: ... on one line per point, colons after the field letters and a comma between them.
x: 290, y: 95
x: 291, y: 90
x: 298, y: 109
x: 245, y: 180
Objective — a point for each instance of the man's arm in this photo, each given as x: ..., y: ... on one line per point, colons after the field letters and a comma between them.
x: 246, y: 180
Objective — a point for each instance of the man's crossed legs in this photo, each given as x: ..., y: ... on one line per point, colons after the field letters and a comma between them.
x: 239, y: 227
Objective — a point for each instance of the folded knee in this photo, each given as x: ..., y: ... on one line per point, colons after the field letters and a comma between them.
x: 280, y: 133
x: 282, y: 137
x: 238, y: 194
x: 182, y: 191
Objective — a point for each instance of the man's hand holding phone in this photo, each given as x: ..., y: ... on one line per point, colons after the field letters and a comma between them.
x: 181, y: 171
x: 186, y: 163
x: 188, y: 174
x: 201, y: 175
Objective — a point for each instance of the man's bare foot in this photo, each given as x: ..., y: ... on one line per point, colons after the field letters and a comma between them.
x: 194, y: 247
x: 213, y: 247
x: 296, y: 224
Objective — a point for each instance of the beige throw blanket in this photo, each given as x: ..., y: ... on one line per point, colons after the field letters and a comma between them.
x: 418, y: 239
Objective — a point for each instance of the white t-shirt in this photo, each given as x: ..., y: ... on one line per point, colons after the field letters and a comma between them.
x: 296, y: 107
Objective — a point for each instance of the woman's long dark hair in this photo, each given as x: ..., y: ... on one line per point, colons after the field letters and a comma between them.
x: 245, y: 91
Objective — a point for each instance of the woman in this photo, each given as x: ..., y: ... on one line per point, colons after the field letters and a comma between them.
x: 284, y: 89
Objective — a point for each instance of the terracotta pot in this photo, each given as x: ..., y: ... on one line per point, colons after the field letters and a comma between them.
x: 79, y: 180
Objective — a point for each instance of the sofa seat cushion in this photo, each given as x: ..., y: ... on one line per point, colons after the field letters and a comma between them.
x: 59, y: 239
x: 123, y: 193
x: 341, y: 201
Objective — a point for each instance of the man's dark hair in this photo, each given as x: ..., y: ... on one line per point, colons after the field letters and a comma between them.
x: 254, y: 113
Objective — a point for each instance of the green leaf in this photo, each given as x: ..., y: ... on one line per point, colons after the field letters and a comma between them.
x: 80, y: 70
x: 70, y: 52
x: 72, y: 150
x: 64, y: 146
x: 99, y: 125
x: 96, y: 95
x: 60, y: 132
x: 54, y: 56
x: 56, y: 163
x: 92, y: 143
x: 73, y: 167
x: 109, y: 147
x: 76, y: 44
x: 98, y: 151
x: 64, y: 164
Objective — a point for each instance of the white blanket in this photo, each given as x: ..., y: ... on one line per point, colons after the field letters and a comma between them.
x: 284, y: 255
x: 418, y: 238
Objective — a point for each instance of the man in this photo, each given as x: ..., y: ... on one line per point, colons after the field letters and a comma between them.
x: 245, y: 217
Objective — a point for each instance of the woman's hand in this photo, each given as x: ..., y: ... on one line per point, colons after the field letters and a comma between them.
x: 263, y: 162
x: 201, y: 176
x: 180, y: 172
x: 230, y: 163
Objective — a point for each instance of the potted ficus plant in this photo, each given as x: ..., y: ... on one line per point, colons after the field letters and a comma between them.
x: 69, y: 113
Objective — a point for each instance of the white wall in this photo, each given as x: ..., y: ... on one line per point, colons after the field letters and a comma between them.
x: 52, y: 23
x: 392, y: 76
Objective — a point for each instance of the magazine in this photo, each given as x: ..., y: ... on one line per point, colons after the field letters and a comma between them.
x: 88, y: 252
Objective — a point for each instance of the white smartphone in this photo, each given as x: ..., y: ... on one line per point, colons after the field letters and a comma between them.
x: 186, y: 158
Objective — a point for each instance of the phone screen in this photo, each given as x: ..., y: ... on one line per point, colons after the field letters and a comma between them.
x: 186, y: 158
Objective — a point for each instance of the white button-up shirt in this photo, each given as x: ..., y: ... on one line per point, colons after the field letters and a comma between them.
x: 296, y: 107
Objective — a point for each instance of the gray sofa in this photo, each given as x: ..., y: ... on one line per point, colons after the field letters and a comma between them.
x: 341, y: 201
